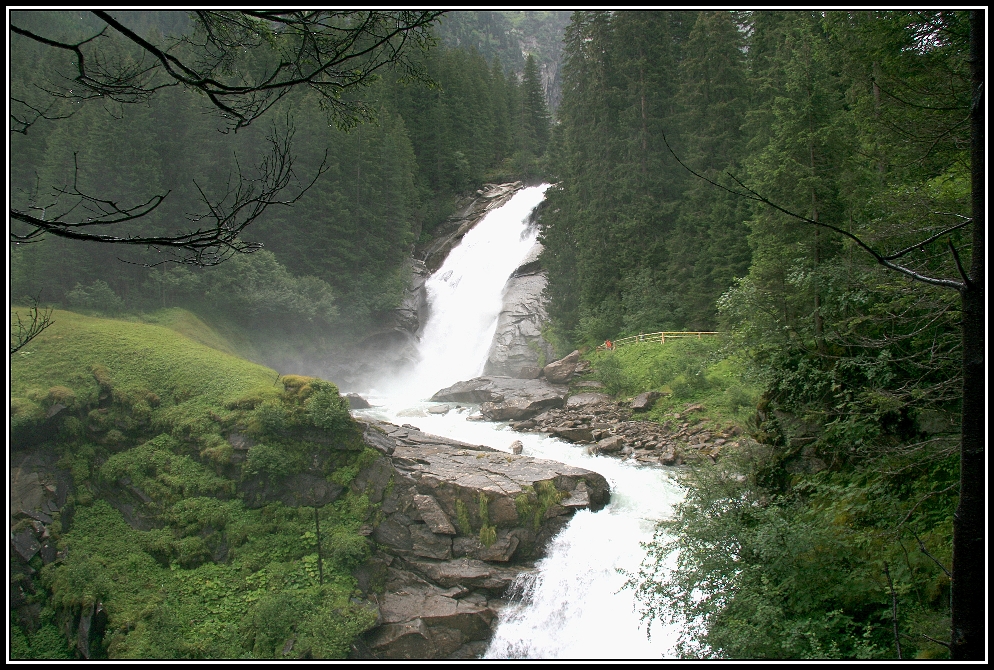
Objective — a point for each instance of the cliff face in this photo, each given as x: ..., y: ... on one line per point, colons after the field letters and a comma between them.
x: 518, y: 349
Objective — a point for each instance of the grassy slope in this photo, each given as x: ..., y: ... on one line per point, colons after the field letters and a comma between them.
x: 164, y: 594
x: 186, y: 358
x: 685, y: 371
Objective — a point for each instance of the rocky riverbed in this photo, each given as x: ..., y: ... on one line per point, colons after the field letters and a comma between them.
x: 577, y: 410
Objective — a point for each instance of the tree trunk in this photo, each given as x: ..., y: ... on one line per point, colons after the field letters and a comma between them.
x: 969, y: 588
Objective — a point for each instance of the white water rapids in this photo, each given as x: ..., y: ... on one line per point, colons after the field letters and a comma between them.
x: 571, y: 606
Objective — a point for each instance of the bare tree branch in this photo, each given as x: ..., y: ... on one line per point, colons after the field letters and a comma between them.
x: 245, y: 198
x: 751, y: 194
x: 333, y: 53
x: 38, y: 320
x: 330, y: 52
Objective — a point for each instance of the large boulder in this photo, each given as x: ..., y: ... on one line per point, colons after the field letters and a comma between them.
x: 559, y: 372
x: 518, y: 346
x: 644, y: 401
x: 506, y: 398
x: 456, y: 523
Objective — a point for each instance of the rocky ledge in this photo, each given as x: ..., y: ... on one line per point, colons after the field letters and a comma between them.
x: 456, y: 524
x: 506, y: 398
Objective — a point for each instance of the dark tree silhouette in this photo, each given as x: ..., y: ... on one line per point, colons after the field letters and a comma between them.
x: 243, y: 62
x: 969, y: 587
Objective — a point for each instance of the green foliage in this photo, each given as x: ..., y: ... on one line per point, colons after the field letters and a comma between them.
x: 533, y: 502
x: 344, y: 475
x: 257, y: 287
x: 273, y: 462
x: 706, y: 371
x: 313, y: 623
x: 804, y: 575
x: 189, y: 587
x: 488, y: 535
x: 326, y: 408
x: 462, y: 518
x: 98, y: 297
x: 45, y: 644
x: 165, y: 476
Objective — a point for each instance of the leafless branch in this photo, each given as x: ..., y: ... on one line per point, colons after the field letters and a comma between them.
x: 38, y: 320
x: 245, y: 198
x: 333, y: 53
x: 330, y: 52
x: 21, y: 122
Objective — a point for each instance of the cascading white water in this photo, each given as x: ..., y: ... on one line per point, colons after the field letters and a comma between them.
x: 570, y: 606
x: 464, y: 298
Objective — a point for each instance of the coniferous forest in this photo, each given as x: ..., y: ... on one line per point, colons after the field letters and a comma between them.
x: 809, y: 184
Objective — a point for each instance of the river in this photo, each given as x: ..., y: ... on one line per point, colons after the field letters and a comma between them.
x: 571, y: 606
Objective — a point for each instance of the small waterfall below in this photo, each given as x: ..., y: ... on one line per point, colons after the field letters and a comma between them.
x: 571, y: 605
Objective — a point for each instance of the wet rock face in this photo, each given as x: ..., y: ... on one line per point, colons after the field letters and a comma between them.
x: 413, y: 308
x: 518, y: 349
x: 422, y: 620
x: 458, y: 523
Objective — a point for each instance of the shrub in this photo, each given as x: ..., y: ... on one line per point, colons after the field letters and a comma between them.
x: 273, y: 462
x: 97, y: 296
x: 326, y: 408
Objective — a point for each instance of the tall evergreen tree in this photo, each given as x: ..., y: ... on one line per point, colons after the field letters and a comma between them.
x: 535, y: 119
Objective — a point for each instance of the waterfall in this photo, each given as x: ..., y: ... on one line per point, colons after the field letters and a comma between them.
x: 571, y: 605
x: 464, y: 297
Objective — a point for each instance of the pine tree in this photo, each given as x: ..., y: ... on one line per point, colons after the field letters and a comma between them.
x: 535, y: 118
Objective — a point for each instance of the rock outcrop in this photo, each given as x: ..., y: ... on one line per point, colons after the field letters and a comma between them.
x: 457, y: 523
x: 413, y: 310
x: 506, y: 398
x: 469, y: 212
x: 518, y: 348
x: 560, y: 372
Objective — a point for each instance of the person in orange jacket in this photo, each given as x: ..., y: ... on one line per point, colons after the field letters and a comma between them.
x: 608, y: 345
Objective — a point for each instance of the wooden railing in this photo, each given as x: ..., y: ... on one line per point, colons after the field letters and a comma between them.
x: 658, y: 338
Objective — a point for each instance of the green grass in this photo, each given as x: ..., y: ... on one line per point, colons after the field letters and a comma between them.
x: 159, y: 376
x: 148, y: 408
x: 189, y: 325
x: 685, y: 371
x: 170, y: 361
